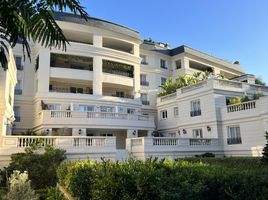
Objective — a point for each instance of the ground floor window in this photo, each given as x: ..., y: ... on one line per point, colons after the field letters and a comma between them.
x: 234, y: 136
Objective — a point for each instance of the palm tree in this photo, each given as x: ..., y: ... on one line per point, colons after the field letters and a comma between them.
x: 26, y: 20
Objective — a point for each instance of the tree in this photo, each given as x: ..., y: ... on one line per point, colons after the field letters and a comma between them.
x: 264, y: 158
x: 20, y: 187
x: 26, y: 20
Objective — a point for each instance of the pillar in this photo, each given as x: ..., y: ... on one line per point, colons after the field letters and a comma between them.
x: 43, y: 72
x: 97, y: 40
x: 136, y: 89
x: 97, y: 76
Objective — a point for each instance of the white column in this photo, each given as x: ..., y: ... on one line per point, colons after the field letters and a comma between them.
x: 185, y: 63
x: 97, y: 75
x: 136, y: 89
x: 43, y: 72
x: 97, y: 40
x: 136, y: 50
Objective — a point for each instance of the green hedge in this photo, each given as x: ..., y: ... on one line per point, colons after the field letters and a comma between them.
x: 159, y: 179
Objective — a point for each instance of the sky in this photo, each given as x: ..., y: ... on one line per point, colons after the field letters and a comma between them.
x: 228, y: 29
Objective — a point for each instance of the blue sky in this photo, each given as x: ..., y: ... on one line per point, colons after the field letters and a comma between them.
x: 229, y: 29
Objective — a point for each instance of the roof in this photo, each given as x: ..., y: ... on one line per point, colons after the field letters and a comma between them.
x: 153, y: 46
x: 99, y: 23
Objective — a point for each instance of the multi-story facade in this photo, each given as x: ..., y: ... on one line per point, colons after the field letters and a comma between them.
x: 99, y: 98
x: 8, y: 81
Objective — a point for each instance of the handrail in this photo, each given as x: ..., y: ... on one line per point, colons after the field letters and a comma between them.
x: 241, y: 106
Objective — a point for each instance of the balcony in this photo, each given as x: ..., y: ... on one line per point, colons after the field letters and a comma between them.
x: 241, y: 106
x: 144, y: 63
x: 71, y: 61
x: 94, y: 119
x: 117, y: 68
x: 144, y: 83
x: 90, y: 146
x: 195, y: 113
x: 72, y: 90
x: 170, y: 146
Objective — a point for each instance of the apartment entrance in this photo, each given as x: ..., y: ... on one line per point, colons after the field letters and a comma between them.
x: 120, y: 135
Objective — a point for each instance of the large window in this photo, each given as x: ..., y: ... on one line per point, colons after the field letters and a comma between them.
x: 163, y: 114
x: 163, y: 80
x: 54, y: 106
x: 234, y: 136
x: 195, y: 108
x: 17, y: 113
x: 86, y: 108
x: 144, y: 100
x: 178, y: 64
x: 18, y: 60
x: 176, y: 111
x: 197, y: 133
x: 143, y: 80
x: 18, y: 88
x: 163, y: 63
x: 143, y: 59
x: 106, y: 109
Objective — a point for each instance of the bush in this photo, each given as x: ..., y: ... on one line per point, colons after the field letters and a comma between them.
x: 54, y: 194
x: 201, y: 178
x: 265, y: 150
x: 41, y: 167
x: 20, y: 187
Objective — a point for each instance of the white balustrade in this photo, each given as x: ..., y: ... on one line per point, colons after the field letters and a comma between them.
x: 101, y: 115
x: 168, y: 97
x: 165, y: 141
x: 241, y: 106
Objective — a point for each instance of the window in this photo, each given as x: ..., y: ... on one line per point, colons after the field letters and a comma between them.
x: 163, y: 64
x: 163, y: 114
x: 143, y: 60
x: 144, y: 100
x: 131, y: 111
x: 195, y: 108
x: 163, y: 80
x: 178, y: 64
x: 18, y: 88
x: 120, y: 94
x: 197, y: 133
x: 54, y: 106
x: 18, y: 61
x: 234, y: 136
x: 106, y: 109
x: 86, y: 108
x: 17, y: 113
x: 143, y: 80
x: 176, y: 111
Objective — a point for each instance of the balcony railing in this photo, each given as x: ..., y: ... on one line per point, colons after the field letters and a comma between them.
x: 145, y: 83
x: 18, y: 91
x: 126, y: 96
x: 68, y: 90
x: 146, y: 103
x: 117, y: 72
x: 171, y: 143
x: 241, y: 106
x: 65, y: 142
x: 237, y: 140
x: 195, y: 113
x: 100, y: 115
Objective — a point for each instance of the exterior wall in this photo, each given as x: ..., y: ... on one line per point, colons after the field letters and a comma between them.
x: 8, y: 81
x: 216, y: 117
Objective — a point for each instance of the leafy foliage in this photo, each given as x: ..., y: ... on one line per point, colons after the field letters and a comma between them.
x: 33, y: 19
x: 20, y: 187
x: 165, y: 179
x: 41, y: 167
x: 265, y: 150
x: 182, y: 81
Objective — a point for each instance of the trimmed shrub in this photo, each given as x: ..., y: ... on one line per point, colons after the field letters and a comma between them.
x: 199, y: 178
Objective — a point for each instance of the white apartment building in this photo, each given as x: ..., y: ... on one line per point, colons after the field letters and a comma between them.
x: 99, y: 98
